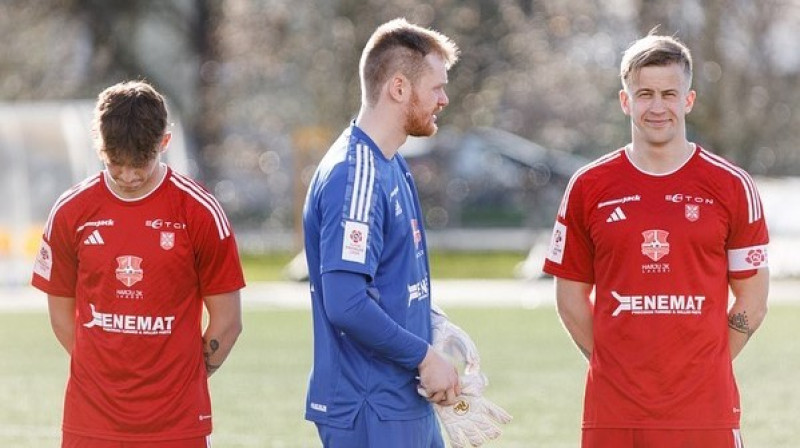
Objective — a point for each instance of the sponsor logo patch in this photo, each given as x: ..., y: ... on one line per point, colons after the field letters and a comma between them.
x: 43, y: 266
x: 558, y: 240
x: 354, y: 243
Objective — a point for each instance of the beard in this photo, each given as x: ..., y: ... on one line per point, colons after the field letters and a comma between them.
x: 418, y: 121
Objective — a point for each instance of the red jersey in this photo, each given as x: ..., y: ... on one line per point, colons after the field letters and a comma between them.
x: 659, y: 250
x: 138, y: 270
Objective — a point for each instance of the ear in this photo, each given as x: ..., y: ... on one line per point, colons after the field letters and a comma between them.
x: 690, y: 97
x: 399, y: 88
x: 165, y: 142
x: 624, y: 102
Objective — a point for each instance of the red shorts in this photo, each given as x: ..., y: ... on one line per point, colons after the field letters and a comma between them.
x: 75, y: 441
x: 661, y: 438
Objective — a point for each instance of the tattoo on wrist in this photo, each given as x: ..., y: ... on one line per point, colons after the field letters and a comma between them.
x: 210, y: 348
x: 739, y: 322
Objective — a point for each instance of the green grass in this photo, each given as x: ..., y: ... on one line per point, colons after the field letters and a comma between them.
x: 258, y: 395
x: 490, y: 265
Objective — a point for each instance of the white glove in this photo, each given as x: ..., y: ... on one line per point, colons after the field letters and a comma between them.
x: 473, y: 419
x: 449, y: 339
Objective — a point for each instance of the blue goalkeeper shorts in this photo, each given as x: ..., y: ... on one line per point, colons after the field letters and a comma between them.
x: 369, y: 431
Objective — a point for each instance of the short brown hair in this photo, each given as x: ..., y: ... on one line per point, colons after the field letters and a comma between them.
x: 400, y: 46
x: 654, y: 50
x: 131, y: 119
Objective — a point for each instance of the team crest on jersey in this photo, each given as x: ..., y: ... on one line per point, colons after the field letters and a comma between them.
x: 692, y: 212
x: 129, y: 270
x: 655, y: 245
x: 167, y: 240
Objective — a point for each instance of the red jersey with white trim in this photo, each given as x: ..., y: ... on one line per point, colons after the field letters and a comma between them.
x: 660, y: 250
x: 139, y: 270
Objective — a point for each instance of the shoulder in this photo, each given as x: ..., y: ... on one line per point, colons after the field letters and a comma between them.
x: 71, y: 201
x: 732, y: 178
x: 721, y: 167
x: 199, y: 202
x: 586, y: 175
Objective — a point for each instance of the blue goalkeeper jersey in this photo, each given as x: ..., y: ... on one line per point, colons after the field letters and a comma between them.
x: 362, y: 215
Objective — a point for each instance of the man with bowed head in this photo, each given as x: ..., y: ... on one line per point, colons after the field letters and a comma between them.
x: 368, y: 263
x: 660, y: 229
x: 129, y: 258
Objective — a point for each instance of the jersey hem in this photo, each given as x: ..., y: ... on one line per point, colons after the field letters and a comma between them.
x: 124, y: 437
x: 661, y: 425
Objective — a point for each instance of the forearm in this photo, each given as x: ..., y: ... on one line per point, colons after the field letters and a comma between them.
x: 224, y: 327
x: 350, y: 309
x: 575, y: 310
x: 748, y: 311
x: 62, y: 320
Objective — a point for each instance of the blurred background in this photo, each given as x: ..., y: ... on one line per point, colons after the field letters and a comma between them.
x: 258, y: 89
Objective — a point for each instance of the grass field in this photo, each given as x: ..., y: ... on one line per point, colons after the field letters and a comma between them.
x: 269, y: 267
x: 535, y: 374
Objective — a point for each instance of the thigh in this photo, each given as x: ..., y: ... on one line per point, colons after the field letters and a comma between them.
x: 607, y: 438
x: 369, y: 431
x: 354, y: 436
x: 419, y: 433
x: 695, y: 438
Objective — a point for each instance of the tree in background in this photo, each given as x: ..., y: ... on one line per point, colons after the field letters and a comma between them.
x: 263, y: 84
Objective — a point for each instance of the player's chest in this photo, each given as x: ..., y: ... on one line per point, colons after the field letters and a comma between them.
x: 652, y: 220
x: 402, y: 223
x: 126, y: 240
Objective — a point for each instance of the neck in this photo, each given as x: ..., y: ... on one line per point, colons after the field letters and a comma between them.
x: 384, y: 128
x: 661, y: 159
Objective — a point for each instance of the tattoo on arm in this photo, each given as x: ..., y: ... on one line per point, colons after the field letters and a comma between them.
x: 738, y: 322
x: 210, y: 348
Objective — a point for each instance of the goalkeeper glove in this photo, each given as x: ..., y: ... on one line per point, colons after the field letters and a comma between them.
x: 473, y: 419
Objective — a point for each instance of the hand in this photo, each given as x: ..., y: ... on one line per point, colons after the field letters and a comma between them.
x: 438, y: 379
x: 473, y: 419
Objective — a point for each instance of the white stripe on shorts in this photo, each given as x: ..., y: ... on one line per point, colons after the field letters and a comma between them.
x: 737, y: 439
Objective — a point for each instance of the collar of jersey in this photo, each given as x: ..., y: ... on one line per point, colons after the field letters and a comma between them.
x: 130, y: 200
x: 359, y: 134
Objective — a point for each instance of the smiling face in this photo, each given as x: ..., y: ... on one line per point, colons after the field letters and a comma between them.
x: 658, y: 99
x: 427, y: 98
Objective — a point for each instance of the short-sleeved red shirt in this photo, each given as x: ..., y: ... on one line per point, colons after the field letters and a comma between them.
x: 659, y: 250
x: 138, y: 270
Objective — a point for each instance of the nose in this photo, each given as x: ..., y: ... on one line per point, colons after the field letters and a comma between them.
x: 127, y: 174
x: 658, y: 104
x: 443, y: 99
